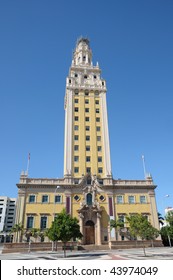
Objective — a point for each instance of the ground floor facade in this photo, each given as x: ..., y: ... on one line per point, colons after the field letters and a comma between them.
x: 92, y: 201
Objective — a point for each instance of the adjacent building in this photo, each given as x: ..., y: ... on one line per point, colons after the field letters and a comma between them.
x: 7, y: 217
x: 87, y: 190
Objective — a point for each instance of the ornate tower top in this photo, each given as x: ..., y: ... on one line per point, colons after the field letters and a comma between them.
x: 82, y: 55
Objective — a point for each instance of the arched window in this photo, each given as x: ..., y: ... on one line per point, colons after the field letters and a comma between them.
x: 89, y: 181
x: 89, y: 199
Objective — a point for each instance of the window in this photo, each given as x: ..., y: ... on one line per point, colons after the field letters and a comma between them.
x: 87, y: 110
x: 86, y: 93
x: 87, y: 128
x: 131, y: 199
x: 100, y: 170
x: 121, y: 218
x: 146, y: 216
x: 76, y: 100
x: 86, y: 101
x: 1, y: 210
x: 85, y: 76
x: 76, y: 75
x: 31, y: 198
x: 101, y: 197
x: 87, y: 148
x: 76, y: 127
x: 76, y: 158
x: 57, y: 198
x: 96, y: 93
x: 43, y: 222
x: 45, y: 198
x: 97, y: 102
x: 30, y: 222
x: 76, y: 147
x: 99, y: 148
x: 76, y: 137
x: 119, y: 199
x: 76, y: 118
x: 89, y: 181
x: 97, y: 110
x: 89, y: 199
x: 142, y: 199
x: 95, y: 77
x: 97, y: 128
x: 103, y: 83
x: 76, y: 109
x: 76, y: 197
x: 88, y: 170
x: 69, y: 81
x: 76, y: 181
x: 97, y: 119
x: 87, y: 119
x: 76, y: 92
x: 88, y: 159
x: 98, y: 138
x: 87, y: 138
x: 76, y: 169
x: 84, y: 58
x: 99, y: 159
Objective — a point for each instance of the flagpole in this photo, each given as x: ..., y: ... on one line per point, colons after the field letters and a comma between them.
x: 27, y: 170
x: 143, y: 160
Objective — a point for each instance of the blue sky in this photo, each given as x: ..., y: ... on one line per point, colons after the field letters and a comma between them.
x: 133, y: 43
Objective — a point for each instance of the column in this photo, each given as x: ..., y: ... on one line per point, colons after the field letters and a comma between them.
x: 81, y: 217
x: 98, y: 229
x: 105, y: 135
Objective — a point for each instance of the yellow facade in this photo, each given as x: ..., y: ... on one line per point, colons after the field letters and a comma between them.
x: 87, y: 190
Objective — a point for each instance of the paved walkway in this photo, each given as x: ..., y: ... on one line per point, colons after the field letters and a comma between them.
x: 163, y: 253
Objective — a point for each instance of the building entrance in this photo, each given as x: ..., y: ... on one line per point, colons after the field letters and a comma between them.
x: 89, y: 232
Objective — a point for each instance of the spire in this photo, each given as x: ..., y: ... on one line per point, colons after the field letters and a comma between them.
x: 82, y: 55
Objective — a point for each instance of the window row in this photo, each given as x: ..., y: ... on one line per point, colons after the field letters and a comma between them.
x: 76, y: 101
x: 87, y: 128
x: 88, y: 159
x: 85, y: 76
x: 45, y: 198
x: 88, y: 170
x: 76, y: 148
x: 122, y: 217
x: 43, y: 222
x: 87, y: 110
x: 131, y: 199
x: 87, y: 138
x: 76, y: 92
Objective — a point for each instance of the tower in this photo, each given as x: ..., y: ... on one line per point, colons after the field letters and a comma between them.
x: 87, y: 190
x: 87, y: 149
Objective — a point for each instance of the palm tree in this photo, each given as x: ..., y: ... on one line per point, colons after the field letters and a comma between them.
x: 161, y: 219
x: 16, y: 229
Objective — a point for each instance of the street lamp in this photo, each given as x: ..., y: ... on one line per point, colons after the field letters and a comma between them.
x: 57, y: 187
x: 169, y: 239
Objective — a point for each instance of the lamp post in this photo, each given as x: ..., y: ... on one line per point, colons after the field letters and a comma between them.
x: 57, y: 187
x: 169, y: 239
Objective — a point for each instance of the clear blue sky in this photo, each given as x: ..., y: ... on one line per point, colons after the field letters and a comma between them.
x: 133, y: 43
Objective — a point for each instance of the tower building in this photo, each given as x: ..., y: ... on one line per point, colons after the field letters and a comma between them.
x: 86, y: 126
x: 87, y: 190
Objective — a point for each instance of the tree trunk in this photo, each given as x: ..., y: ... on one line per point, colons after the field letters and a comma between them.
x: 144, y: 248
x: 64, y: 249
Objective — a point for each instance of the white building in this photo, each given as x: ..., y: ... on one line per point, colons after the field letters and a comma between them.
x: 7, y: 216
x: 168, y: 209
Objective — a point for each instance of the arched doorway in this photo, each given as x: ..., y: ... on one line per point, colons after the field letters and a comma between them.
x: 89, y: 232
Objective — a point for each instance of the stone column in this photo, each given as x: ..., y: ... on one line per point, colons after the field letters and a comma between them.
x: 98, y: 229
x: 81, y: 217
